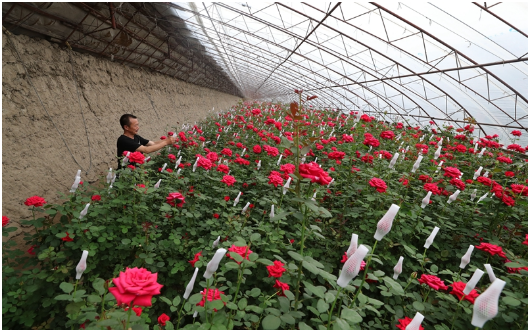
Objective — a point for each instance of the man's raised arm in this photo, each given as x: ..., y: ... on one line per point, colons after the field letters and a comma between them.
x: 155, y: 146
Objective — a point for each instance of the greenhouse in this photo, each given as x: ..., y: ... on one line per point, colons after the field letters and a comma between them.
x: 254, y: 165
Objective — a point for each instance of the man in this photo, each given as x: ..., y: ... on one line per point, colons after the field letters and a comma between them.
x: 132, y: 142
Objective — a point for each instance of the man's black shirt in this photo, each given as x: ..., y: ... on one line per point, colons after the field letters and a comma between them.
x: 127, y: 144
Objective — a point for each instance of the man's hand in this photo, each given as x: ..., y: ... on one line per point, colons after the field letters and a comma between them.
x: 170, y: 140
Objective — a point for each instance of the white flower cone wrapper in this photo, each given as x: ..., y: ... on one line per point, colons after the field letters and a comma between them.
x: 195, y: 165
x: 352, y: 266
x: 216, y: 242
x: 76, y: 184
x: 440, y: 142
x: 353, y: 245
x: 385, y: 224
x: 490, y: 272
x: 330, y: 182
x: 84, y: 212
x: 425, y: 201
x: 237, y: 199
x: 486, y: 174
x: 477, y: 173
x: 109, y: 175
x: 271, y: 215
x: 481, y: 152
x: 157, y: 185
x: 482, y: 197
x: 437, y: 153
x: 163, y: 167
x: 393, y: 161
x: 190, y: 285
x: 316, y: 158
x: 439, y: 166
x: 195, y: 314
x: 286, y: 185
x: 398, y: 268
x: 245, y: 208
x: 467, y: 257
x: 126, y: 159
x: 474, y: 194
x: 81, y: 266
x: 146, y: 159
x: 473, y: 281
x: 178, y: 154
x: 314, y: 198
x: 416, y: 322
x: 178, y: 172
x: 431, y: 237
x: 214, y: 263
x: 417, y: 164
x: 112, y: 181
x: 487, y: 304
x: 177, y: 163
x: 453, y: 197
x: 279, y: 160
x: 259, y: 165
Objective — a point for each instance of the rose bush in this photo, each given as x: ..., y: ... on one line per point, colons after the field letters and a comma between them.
x: 280, y: 268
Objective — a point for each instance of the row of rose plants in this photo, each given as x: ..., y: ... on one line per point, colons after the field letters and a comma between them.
x: 281, y: 216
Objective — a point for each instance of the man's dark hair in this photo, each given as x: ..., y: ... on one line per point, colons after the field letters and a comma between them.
x: 125, y: 120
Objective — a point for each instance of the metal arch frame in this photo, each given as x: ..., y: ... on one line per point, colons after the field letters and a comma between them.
x: 424, y: 79
x: 377, y: 95
x: 333, y: 54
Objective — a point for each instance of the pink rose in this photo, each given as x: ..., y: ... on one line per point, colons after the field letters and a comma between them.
x: 136, y: 284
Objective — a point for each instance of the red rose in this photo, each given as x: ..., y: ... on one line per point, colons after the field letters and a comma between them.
x: 175, y: 199
x: 276, y: 270
x: 226, y: 152
x: 204, y: 163
x: 67, y: 238
x: 257, y: 149
x: 195, y: 259
x: 516, y: 133
x: 315, y: 173
x: 504, y: 160
x: 508, y: 200
x: 425, y: 178
x: 458, y: 291
x: 458, y: 183
x: 213, y: 294
x: 389, y: 134
x: 137, y: 157
x: 433, y: 281
x: 509, y: 174
x: 242, y: 251
x: 281, y: 285
x: 292, y: 240
x: 492, y: 249
x: 35, y: 201
x: 336, y: 155
x: 5, y: 221
x: 136, y: 284
x: 137, y: 310
x: 229, y: 180
x: 378, y: 184
x: 452, y: 172
x: 31, y: 250
x: 403, y: 323
x: 519, y: 189
x: 367, y: 159
x: 96, y: 198
x: 216, y: 216
x: 276, y: 180
x: 223, y: 168
x: 227, y: 198
x: 525, y: 242
x: 162, y: 319
x: 287, y: 168
x: 131, y: 167
x: 163, y: 137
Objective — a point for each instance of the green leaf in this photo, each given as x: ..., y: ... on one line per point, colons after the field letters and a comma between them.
x: 289, y: 295
x: 280, y: 215
x: 169, y: 325
x: 237, y: 257
x: 176, y: 301
x: 93, y: 298
x: 194, y: 299
x: 242, y: 304
x: 265, y: 261
x: 327, y: 275
x: 393, y: 285
x: 310, y: 267
x: 322, y: 306
x: 330, y: 297
x: 99, y: 285
x: 165, y: 299
x: 304, y: 326
x: 255, y: 292
x: 296, y: 256
x: 270, y: 322
x: 351, y: 316
x: 511, y: 301
x: 341, y: 324
x: 418, y: 306
x: 255, y: 236
x: 149, y: 260
x: 288, y: 319
x: 216, y: 304
x: 232, y: 265
x: 317, y: 291
x: 63, y: 297
x: 231, y: 306
x: 253, y: 256
x: 514, y: 265
x: 66, y: 287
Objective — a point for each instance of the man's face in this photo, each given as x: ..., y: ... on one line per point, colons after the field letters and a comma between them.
x: 133, y: 126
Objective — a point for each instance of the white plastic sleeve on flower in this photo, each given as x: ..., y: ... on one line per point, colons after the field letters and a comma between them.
x: 477, y: 173
x: 415, y: 322
x: 214, y: 263
x: 81, y: 266
x: 286, y: 185
x: 178, y: 172
x: 178, y: 154
x: 490, y: 272
x: 190, y: 285
x: 84, y: 212
x: 473, y: 281
x: 487, y: 304
x: 330, y: 182
x: 78, y: 173
x: 474, y: 194
x: 76, y: 183
x: 315, y: 159
x: 431, y: 237
x: 113, y: 179
x: 453, y: 197
x: 157, y: 185
x: 417, y: 163
x: 353, y: 245
x: 279, y: 160
x: 394, y: 159
x: 259, y: 164
x: 398, y: 268
x: 216, y: 242
x: 237, y: 199
x: 243, y: 152
x: 440, y: 142
x: 437, y: 153
x: 314, y: 197
x: 486, y: 174
x: 467, y: 257
x: 177, y: 163
x: 426, y: 200
x: 352, y: 266
x: 195, y: 314
x: 245, y: 208
x: 385, y: 224
x: 482, y: 197
x: 163, y: 167
x: 109, y: 175
x: 271, y: 215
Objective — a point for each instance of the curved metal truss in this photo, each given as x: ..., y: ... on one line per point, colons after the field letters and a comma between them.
x: 427, y: 63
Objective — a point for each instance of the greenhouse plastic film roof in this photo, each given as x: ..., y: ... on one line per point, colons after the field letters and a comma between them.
x: 416, y: 62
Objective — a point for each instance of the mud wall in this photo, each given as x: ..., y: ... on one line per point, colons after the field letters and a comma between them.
x: 36, y: 160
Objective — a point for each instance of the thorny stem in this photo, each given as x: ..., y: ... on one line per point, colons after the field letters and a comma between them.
x: 456, y: 312
x: 332, y: 307
x: 129, y: 315
x: 423, y: 260
x: 206, y: 301
x: 427, y: 295
x: 180, y: 311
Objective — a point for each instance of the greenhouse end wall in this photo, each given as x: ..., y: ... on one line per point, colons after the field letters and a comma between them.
x: 36, y: 161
